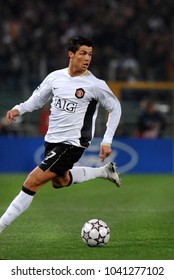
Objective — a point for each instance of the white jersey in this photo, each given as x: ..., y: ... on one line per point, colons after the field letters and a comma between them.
x: 74, y: 107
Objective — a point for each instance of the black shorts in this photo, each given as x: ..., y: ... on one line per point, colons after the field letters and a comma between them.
x: 60, y: 157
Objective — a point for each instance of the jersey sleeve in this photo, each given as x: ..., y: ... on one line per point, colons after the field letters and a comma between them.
x: 112, y: 105
x: 41, y: 95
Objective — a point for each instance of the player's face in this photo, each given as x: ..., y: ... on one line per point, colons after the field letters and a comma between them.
x: 80, y: 60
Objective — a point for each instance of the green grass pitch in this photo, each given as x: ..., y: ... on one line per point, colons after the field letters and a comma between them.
x: 140, y: 215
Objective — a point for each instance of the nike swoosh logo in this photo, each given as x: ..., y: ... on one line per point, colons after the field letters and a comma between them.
x: 44, y: 162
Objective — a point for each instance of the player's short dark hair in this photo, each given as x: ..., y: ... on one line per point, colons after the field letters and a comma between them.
x: 76, y: 42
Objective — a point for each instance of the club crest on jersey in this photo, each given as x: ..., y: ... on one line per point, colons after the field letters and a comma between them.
x: 79, y: 93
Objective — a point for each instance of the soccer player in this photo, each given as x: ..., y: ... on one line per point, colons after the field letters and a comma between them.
x: 75, y: 95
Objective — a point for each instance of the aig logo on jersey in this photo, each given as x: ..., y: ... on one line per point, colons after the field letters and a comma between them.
x: 65, y: 104
x: 79, y: 93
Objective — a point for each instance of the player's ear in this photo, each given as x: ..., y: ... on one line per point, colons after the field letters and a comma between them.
x: 71, y: 54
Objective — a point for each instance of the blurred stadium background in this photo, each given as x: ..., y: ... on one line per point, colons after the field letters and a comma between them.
x: 133, y: 52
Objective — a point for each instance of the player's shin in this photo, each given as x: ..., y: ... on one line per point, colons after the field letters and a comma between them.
x: 21, y: 202
x: 83, y: 173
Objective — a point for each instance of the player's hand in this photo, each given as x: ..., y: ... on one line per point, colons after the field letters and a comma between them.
x: 11, y: 115
x: 105, y: 151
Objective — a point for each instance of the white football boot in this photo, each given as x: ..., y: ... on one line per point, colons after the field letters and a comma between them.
x: 112, y: 174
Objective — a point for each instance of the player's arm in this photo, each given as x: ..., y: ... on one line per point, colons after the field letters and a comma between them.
x: 114, y: 114
x: 112, y: 105
x: 37, y: 100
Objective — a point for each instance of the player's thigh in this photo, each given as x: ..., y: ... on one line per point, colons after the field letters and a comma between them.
x: 37, y: 178
x: 60, y: 157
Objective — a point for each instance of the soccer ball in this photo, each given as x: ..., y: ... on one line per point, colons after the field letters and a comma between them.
x: 95, y: 232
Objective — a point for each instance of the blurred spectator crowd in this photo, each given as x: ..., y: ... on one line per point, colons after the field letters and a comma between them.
x: 136, y: 35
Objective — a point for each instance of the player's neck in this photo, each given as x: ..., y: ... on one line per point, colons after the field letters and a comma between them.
x: 73, y: 72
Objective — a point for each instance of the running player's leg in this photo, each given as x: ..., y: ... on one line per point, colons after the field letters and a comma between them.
x: 77, y: 174
x: 58, y: 159
x: 25, y: 197
x: 83, y: 173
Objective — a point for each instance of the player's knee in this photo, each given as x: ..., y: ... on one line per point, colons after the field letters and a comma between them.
x: 59, y: 183
x: 56, y: 185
